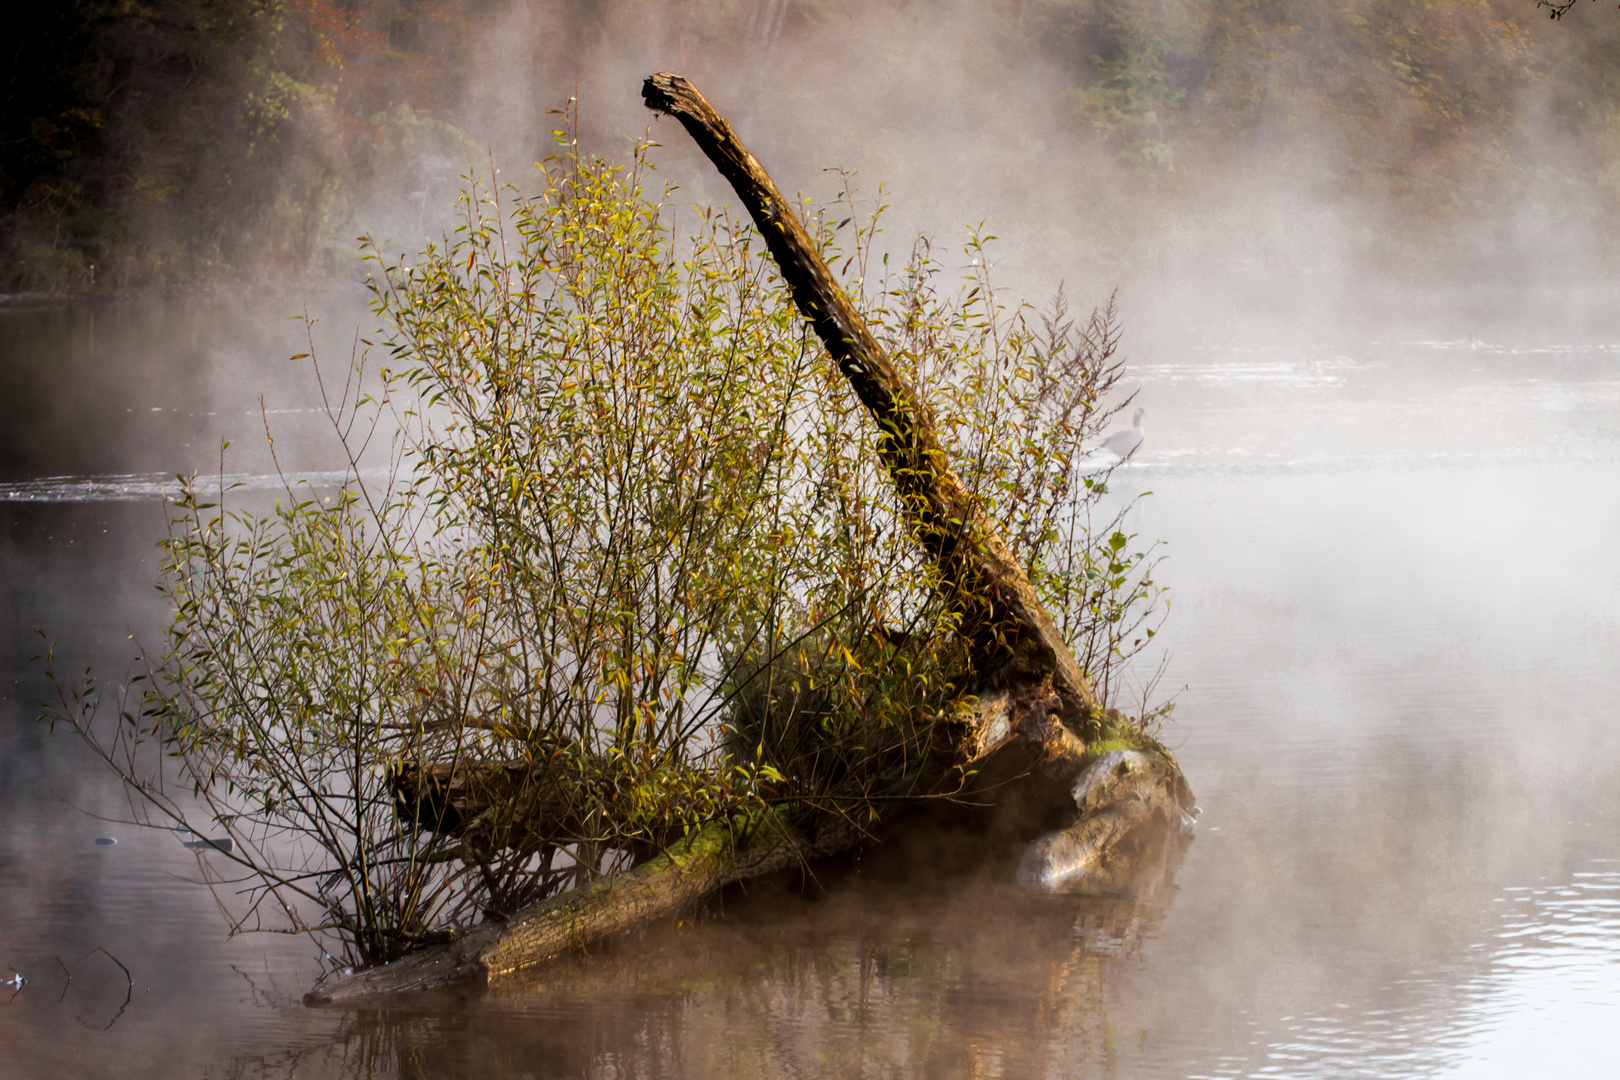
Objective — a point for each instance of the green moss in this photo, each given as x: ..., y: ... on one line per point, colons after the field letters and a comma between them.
x: 1119, y: 732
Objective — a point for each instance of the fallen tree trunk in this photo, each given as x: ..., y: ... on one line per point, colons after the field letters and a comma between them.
x: 1032, y: 706
x: 692, y: 870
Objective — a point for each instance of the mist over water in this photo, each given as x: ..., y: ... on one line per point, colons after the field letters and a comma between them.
x: 1384, y: 455
x: 1397, y: 616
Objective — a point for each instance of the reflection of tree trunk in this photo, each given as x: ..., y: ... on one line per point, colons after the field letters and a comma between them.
x: 1030, y: 718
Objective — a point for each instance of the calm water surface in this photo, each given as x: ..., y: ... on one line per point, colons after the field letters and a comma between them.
x: 1395, y: 559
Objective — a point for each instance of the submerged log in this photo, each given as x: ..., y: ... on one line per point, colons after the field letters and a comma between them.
x: 1030, y: 716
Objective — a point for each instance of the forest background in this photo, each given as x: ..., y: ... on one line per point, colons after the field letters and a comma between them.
x: 176, y: 142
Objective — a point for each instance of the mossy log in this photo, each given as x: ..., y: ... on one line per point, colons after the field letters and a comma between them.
x: 1030, y: 717
x: 692, y: 870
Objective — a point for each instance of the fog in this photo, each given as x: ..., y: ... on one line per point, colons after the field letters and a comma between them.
x: 1363, y: 264
x: 1295, y: 152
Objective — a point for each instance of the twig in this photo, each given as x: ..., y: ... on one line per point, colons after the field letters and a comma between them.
x: 129, y: 980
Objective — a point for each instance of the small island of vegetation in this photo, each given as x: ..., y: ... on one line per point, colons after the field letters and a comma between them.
x: 654, y: 589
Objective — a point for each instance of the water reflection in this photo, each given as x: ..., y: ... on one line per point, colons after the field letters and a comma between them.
x: 868, y: 980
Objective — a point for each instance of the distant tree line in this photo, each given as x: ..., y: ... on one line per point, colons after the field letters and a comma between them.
x: 165, y: 141
x: 151, y: 141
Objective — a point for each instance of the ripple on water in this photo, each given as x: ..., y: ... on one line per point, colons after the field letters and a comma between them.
x: 140, y: 487
x: 1540, y: 1002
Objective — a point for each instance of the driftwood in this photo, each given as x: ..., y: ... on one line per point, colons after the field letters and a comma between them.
x: 1027, y: 723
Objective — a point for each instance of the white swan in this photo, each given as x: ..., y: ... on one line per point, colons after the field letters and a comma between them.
x: 1123, y: 443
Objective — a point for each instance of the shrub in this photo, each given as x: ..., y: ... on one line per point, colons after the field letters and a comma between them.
x: 632, y: 565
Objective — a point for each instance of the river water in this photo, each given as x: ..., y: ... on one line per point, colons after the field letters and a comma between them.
x: 1395, y: 562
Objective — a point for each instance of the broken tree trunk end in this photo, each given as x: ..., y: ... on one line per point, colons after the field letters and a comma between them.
x: 1127, y: 802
